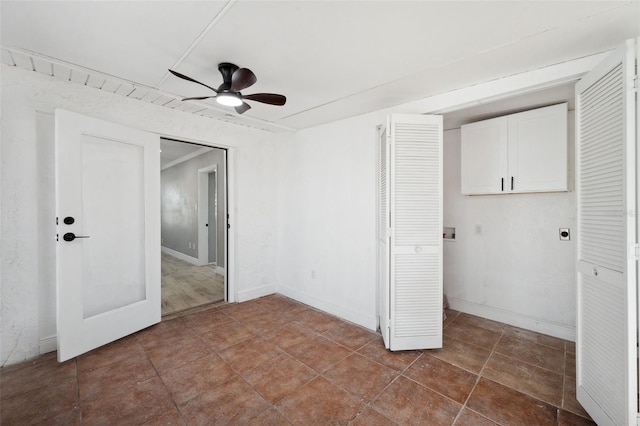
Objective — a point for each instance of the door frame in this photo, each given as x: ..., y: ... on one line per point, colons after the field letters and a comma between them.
x: 230, y: 290
x: 203, y: 213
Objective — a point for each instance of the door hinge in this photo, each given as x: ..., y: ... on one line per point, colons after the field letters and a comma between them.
x: 635, y: 252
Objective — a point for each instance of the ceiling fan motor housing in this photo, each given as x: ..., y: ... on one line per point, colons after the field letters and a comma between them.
x: 226, y: 69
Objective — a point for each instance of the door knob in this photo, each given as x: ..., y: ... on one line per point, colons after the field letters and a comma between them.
x: 70, y: 236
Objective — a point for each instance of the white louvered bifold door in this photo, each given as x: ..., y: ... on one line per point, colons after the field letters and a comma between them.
x: 415, y: 183
x: 606, y: 267
x: 383, y: 235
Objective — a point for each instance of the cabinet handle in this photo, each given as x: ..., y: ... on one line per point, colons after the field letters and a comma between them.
x: 501, y: 184
x: 512, y: 183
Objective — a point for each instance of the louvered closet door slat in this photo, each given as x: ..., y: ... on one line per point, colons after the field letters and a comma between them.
x: 416, y: 237
x: 602, y: 172
x: 383, y: 225
x: 416, y: 301
x: 606, y: 365
x: 416, y: 183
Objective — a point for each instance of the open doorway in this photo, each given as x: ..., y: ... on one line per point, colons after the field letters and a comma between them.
x: 193, y: 225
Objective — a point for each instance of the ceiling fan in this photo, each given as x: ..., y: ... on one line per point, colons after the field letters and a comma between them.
x: 228, y: 93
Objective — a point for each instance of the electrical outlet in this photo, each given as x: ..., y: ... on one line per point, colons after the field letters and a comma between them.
x: 565, y: 235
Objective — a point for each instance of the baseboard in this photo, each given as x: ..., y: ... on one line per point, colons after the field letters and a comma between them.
x: 254, y: 293
x: 181, y: 256
x: 515, y: 319
x: 339, y: 311
x: 220, y: 270
x: 48, y: 344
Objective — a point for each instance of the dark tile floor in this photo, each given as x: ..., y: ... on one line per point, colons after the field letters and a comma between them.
x: 274, y: 361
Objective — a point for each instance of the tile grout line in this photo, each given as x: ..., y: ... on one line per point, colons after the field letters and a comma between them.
x: 514, y: 359
x: 285, y: 353
x: 314, y: 335
x: 478, y: 380
x: 164, y: 385
x: 318, y: 374
x: 395, y: 379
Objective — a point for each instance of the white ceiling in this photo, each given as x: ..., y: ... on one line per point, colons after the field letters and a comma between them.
x: 332, y: 59
x: 174, y: 152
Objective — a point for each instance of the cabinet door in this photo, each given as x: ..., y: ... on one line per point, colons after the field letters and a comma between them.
x: 484, y: 157
x: 538, y: 150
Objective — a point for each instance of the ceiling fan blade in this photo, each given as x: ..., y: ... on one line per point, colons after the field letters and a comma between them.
x: 267, y: 98
x: 184, y: 77
x: 198, y: 98
x: 242, y: 78
x: 243, y: 108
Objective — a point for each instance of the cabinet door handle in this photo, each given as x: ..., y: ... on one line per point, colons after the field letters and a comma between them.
x: 501, y: 184
x: 512, y: 183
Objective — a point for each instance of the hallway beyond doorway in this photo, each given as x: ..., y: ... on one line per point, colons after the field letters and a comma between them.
x: 186, y: 286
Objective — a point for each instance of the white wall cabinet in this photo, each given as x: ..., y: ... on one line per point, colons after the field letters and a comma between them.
x: 523, y: 152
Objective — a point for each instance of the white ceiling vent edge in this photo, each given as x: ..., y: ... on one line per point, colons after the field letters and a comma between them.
x: 64, y: 71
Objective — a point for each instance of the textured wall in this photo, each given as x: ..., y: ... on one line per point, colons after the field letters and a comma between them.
x: 327, y: 229
x: 27, y: 313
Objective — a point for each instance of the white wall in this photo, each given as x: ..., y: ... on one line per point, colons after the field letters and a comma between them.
x: 27, y: 204
x: 517, y: 270
x: 327, y: 218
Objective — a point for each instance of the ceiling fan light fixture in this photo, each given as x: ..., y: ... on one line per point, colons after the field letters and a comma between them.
x: 235, y: 79
x: 228, y: 99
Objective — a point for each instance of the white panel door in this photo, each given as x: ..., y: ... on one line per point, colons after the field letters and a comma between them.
x: 108, y: 249
x: 606, y: 266
x: 415, y: 244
